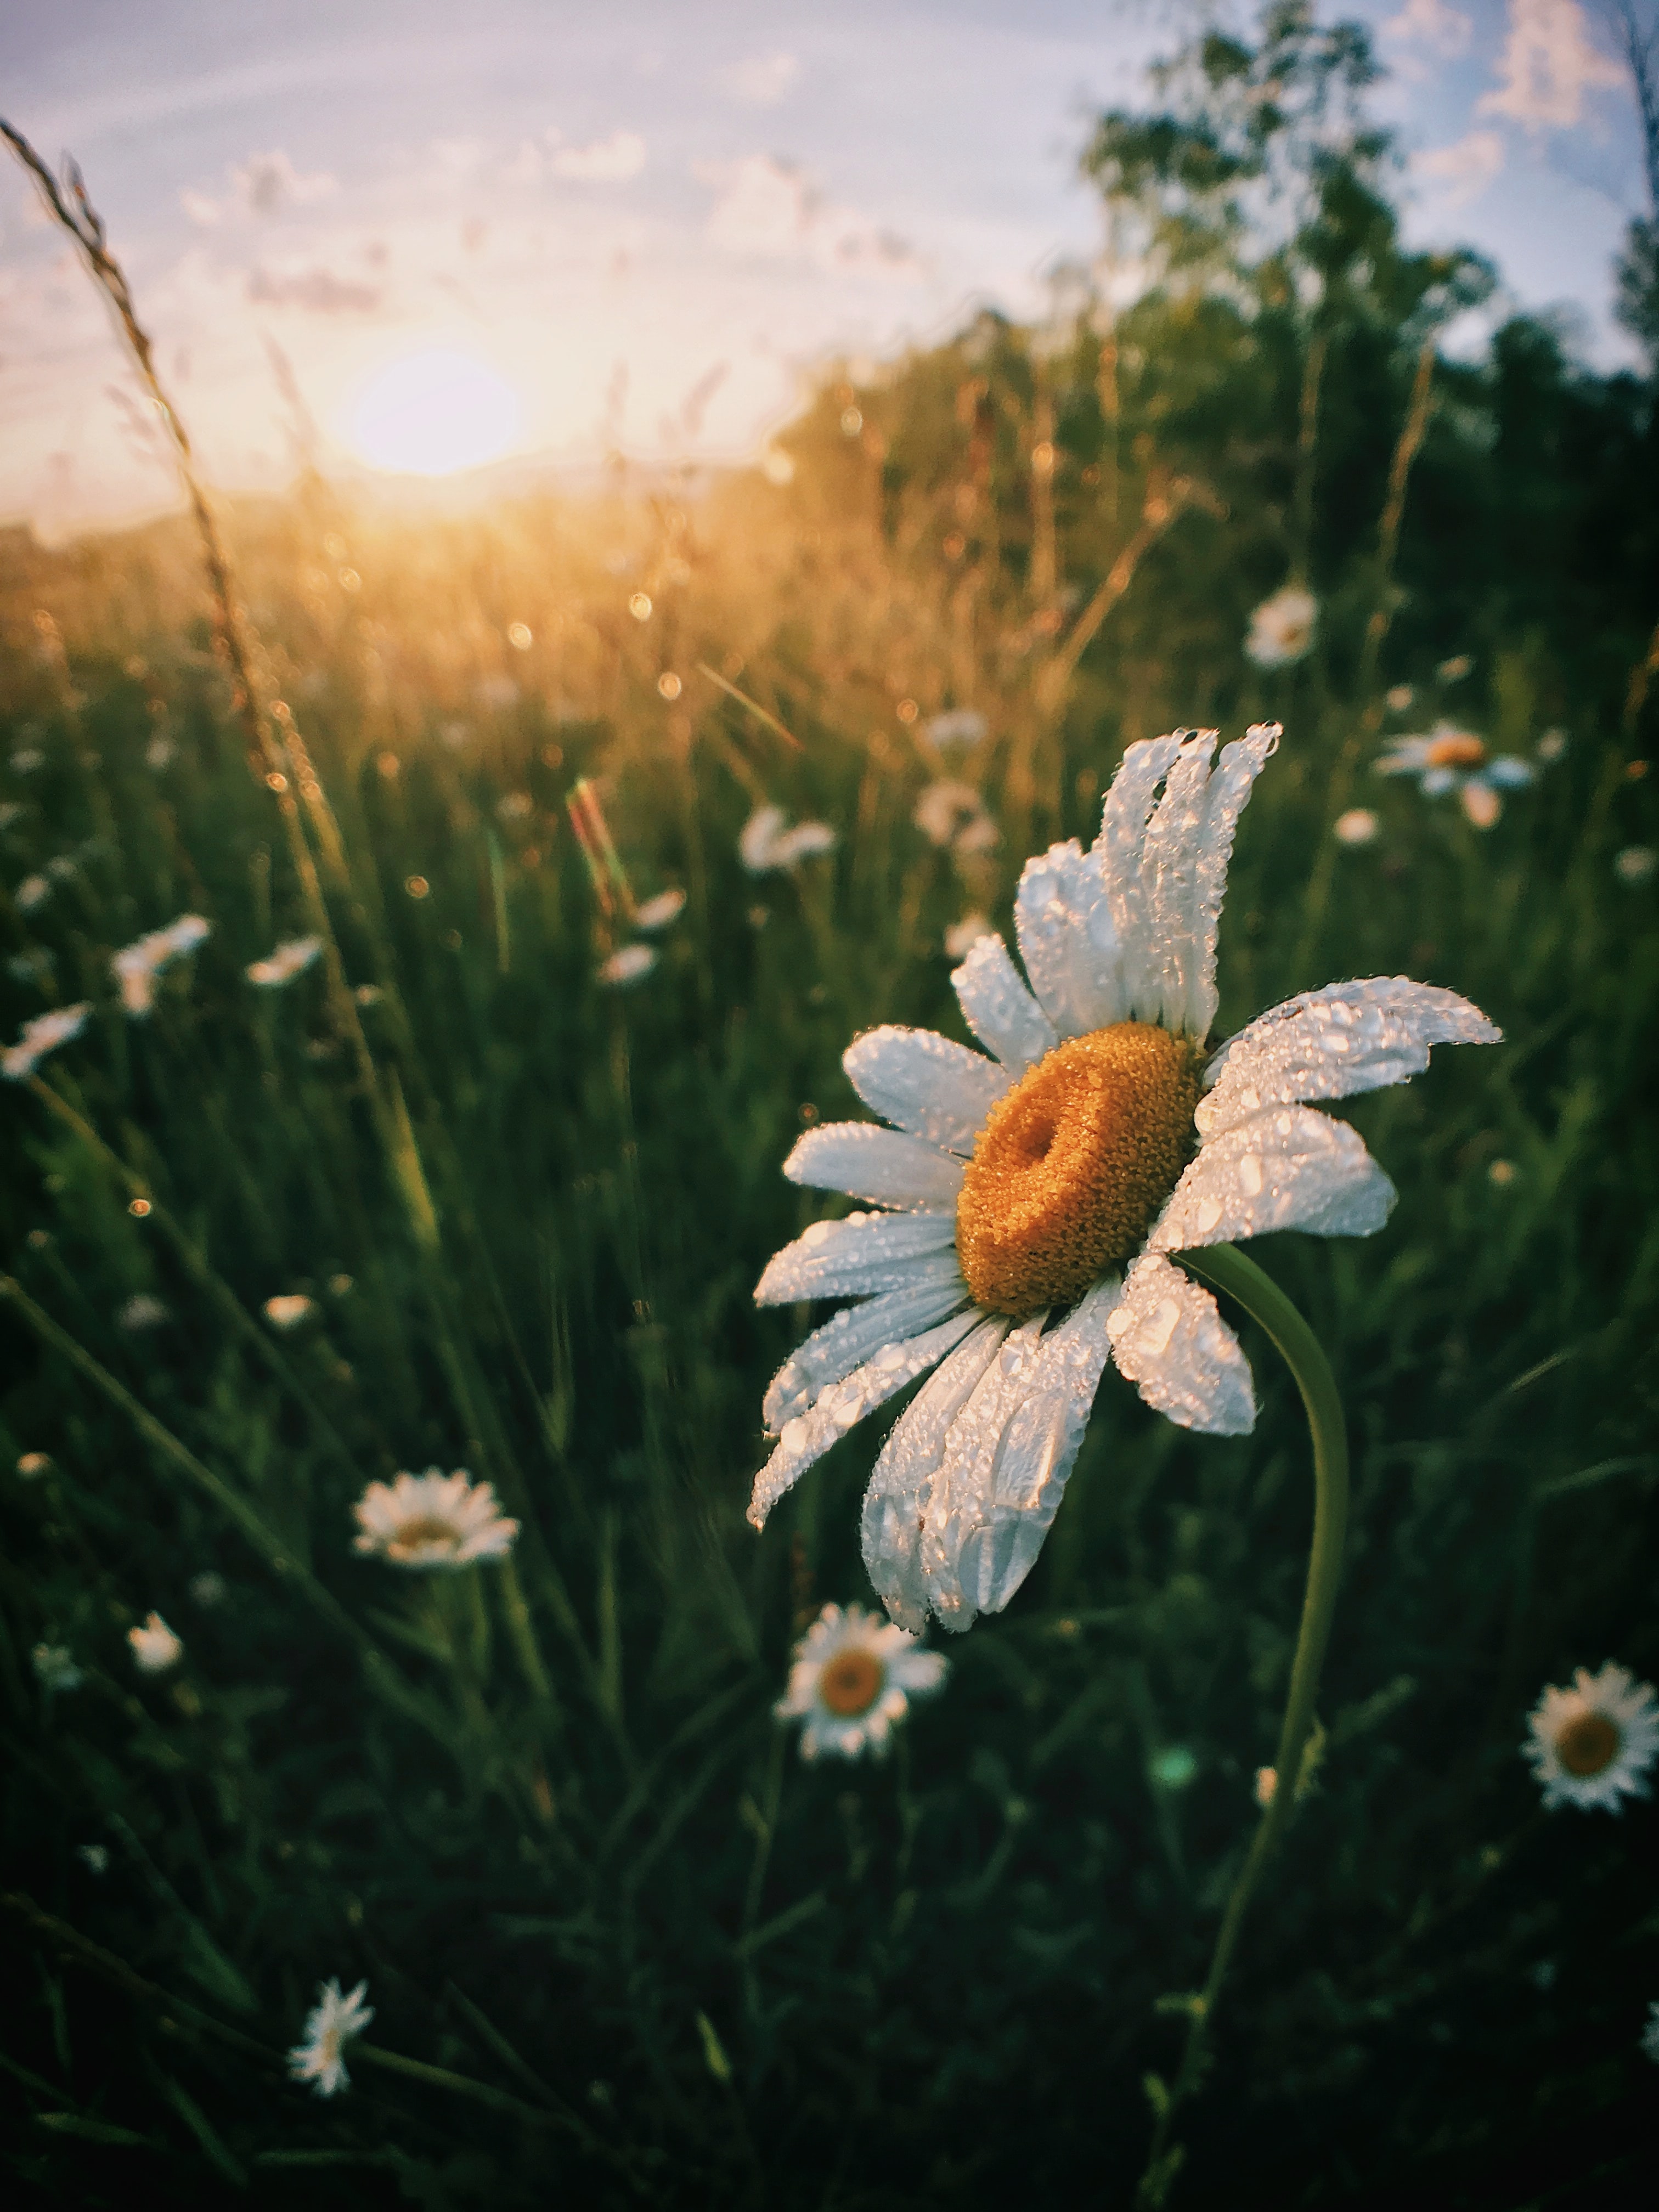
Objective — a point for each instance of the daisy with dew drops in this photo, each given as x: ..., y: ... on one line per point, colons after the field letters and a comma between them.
x: 40, y: 1036
x: 337, y: 2016
x: 1029, y: 1203
x: 155, y: 1646
x: 1592, y: 1745
x: 433, y: 1519
x: 1282, y: 627
x: 853, y: 1677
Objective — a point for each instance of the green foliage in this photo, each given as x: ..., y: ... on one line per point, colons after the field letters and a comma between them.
x: 619, y: 1941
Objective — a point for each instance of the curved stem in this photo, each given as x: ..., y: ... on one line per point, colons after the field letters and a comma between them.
x: 1229, y: 1270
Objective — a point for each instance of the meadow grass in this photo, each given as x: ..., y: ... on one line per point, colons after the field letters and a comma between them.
x: 619, y: 1941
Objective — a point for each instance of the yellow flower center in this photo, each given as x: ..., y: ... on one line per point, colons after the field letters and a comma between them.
x: 428, y: 1529
x: 1457, y: 749
x: 851, y: 1682
x: 1073, y: 1165
x: 1588, y: 1743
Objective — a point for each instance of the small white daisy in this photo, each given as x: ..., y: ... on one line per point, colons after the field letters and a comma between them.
x: 291, y: 958
x: 44, y: 1034
x: 155, y: 1646
x: 1446, y: 758
x: 1651, y: 2034
x: 954, y: 814
x: 627, y: 966
x: 766, y: 846
x: 55, y: 1667
x: 661, y: 912
x: 1358, y: 826
x: 288, y: 1309
x: 136, y: 966
x: 332, y: 2022
x: 853, y: 1676
x: 1035, y: 1203
x: 1282, y: 627
x: 1592, y: 1745
x: 959, y: 725
x: 433, y: 1519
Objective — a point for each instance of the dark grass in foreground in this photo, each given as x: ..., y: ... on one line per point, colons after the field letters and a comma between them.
x: 651, y: 1957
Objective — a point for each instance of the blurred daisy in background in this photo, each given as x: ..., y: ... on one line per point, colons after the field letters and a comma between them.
x: 55, y: 1667
x: 766, y: 845
x: 854, y: 1676
x: 318, y: 2058
x: 1033, y: 1200
x: 155, y: 1646
x: 290, y: 958
x: 1446, y: 758
x: 1636, y: 864
x: 136, y: 966
x: 1358, y: 826
x: 1592, y: 1745
x: 661, y: 912
x: 288, y: 1309
x: 141, y: 1312
x: 954, y: 814
x: 627, y: 966
x: 433, y: 1519
x: 33, y: 891
x: 958, y: 726
x: 40, y: 1036
x: 1282, y: 628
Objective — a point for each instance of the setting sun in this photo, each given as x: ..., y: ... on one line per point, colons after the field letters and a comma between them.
x: 434, y: 413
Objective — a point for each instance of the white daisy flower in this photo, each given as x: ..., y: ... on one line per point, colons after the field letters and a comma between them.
x: 1282, y: 627
x: 954, y: 814
x: 433, y: 1519
x: 288, y: 1309
x: 332, y: 2022
x: 1447, y: 758
x: 958, y: 726
x: 55, y: 1667
x: 661, y: 912
x: 155, y: 1646
x: 853, y: 1676
x: 1032, y: 1200
x: 1651, y: 2034
x: 44, y: 1034
x: 291, y: 958
x: 628, y: 965
x: 765, y: 845
x: 136, y: 966
x: 1593, y: 1744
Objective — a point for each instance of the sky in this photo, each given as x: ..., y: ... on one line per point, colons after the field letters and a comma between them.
x: 532, y: 228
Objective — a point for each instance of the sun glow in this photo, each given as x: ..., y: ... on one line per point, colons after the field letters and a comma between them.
x: 434, y: 413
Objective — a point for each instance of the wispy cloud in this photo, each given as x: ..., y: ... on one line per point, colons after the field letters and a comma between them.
x: 319, y: 291
x: 609, y: 160
x: 770, y: 209
x: 268, y: 183
x: 1548, y: 65
x: 1464, y: 169
x: 762, y: 81
x: 1444, y: 30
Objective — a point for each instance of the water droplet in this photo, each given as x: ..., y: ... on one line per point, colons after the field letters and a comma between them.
x: 794, y: 1435
x: 1250, y: 1176
x: 1209, y: 1212
x: 1159, y: 1328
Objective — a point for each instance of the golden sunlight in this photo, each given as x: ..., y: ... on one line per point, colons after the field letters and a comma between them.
x: 433, y: 413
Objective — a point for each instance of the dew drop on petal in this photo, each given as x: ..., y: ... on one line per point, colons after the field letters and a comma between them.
x: 1209, y: 1212
x: 1250, y: 1176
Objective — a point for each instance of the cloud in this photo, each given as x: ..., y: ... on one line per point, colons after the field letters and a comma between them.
x: 609, y: 160
x: 1548, y: 65
x: 1464, y: 168
x: 317, y: 291
x: 267, y: 183
x: 768, y: 209
x: 1444, y: 30
x: 200, y: 209
x: 762, y: 81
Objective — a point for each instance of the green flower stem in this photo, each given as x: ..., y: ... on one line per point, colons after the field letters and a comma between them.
x: 1227, y: 1269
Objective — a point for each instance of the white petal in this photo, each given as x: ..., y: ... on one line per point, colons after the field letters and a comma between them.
x: 893, y: 1503
x: 859, y: 1256
x: 957, y: 1500
x: 848, y: 1337
x: 923, y: 1083
x: 1064, y: 921
x: 1331, y: 1043
x: 809, y: 1435
x: 1119, y: 849
x: 868, y: 1162
x: 1289, y: 1167
x: 999, y: 1009
x: 1027, y: 1469
x: 1182, y: 867
x: 1169, y: 1338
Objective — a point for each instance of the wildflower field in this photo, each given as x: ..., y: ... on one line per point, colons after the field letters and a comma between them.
x: 420, y: 961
